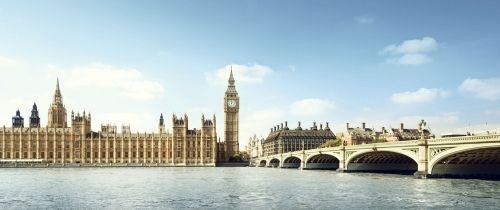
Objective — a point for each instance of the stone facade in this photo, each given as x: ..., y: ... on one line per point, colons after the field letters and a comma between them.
x: 59, y: 144
x: 281, y: 139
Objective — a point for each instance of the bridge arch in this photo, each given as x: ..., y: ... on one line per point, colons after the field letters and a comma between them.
x: 385, y: 161
x: 478, y: 161
x: 322, y: 161
x: 262, y: 163
x: 291, y: 162
x: 274, y: 162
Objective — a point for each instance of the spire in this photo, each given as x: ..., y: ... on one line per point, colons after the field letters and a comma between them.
x: 57, y: 94
x: 231, y: 88
x: 161, y: 119
x: 231, y: 78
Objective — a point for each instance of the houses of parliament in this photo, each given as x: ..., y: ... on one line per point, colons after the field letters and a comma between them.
x: 58, y: 144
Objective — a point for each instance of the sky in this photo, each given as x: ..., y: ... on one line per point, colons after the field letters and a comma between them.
x: 383, y: 62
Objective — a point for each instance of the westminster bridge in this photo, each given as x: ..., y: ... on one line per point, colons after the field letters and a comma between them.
x: 457, y: 156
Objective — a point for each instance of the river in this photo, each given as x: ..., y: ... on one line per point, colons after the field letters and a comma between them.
x: 235, y: 188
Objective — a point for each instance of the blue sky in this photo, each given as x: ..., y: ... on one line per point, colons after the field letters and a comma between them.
x: 382, y: 62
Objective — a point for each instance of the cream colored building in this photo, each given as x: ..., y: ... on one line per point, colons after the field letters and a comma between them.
x: 59, y: 144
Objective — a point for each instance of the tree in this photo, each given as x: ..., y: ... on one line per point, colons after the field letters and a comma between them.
x: 379, y: 140
x: 331, y: 143
x: 239, y: 157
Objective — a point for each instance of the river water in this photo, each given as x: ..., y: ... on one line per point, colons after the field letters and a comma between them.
x: 235, y: 188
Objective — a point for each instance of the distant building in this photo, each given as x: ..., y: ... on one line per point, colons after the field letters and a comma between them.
x: 254, y: 147
x: 281, y: 139
x: 364, y: 135
x: 359, y: 135
x: 404, y: 134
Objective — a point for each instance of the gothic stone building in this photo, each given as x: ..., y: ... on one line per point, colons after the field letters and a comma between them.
x: 364, y: 135
x: 59, y: 144
x: 282, y: 139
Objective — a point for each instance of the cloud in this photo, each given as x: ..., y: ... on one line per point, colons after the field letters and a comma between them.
x: 18, y: 101
x: 420, y: 96
x: 129, y: 83
x: 251, y: 73
x: 411, y: 59
x: 365, y: 20
x: 488, y: 89
x: 495, y: 112
x: 311, y: 107
x: 412, y: 46
x: 259, y: 122
x: 9, y: 64
x: 410, y: 52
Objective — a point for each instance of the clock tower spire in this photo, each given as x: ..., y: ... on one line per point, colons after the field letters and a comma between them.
x: 231, y: 119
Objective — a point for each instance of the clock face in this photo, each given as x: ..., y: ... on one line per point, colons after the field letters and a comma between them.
x: 231, y: 103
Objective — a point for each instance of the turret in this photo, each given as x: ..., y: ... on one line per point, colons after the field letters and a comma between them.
x: 161, y: 124
x: 34, y: 119
x: 80, y: 123
x: 18, y: 120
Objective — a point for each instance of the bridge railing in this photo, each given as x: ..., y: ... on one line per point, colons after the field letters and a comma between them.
x: 464, y: 139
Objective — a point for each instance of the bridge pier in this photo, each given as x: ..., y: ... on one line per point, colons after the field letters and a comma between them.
x: 342, y: 165
x: 423, y: 162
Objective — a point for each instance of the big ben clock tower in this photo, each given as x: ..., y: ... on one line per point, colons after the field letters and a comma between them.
x: 231, y: 118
